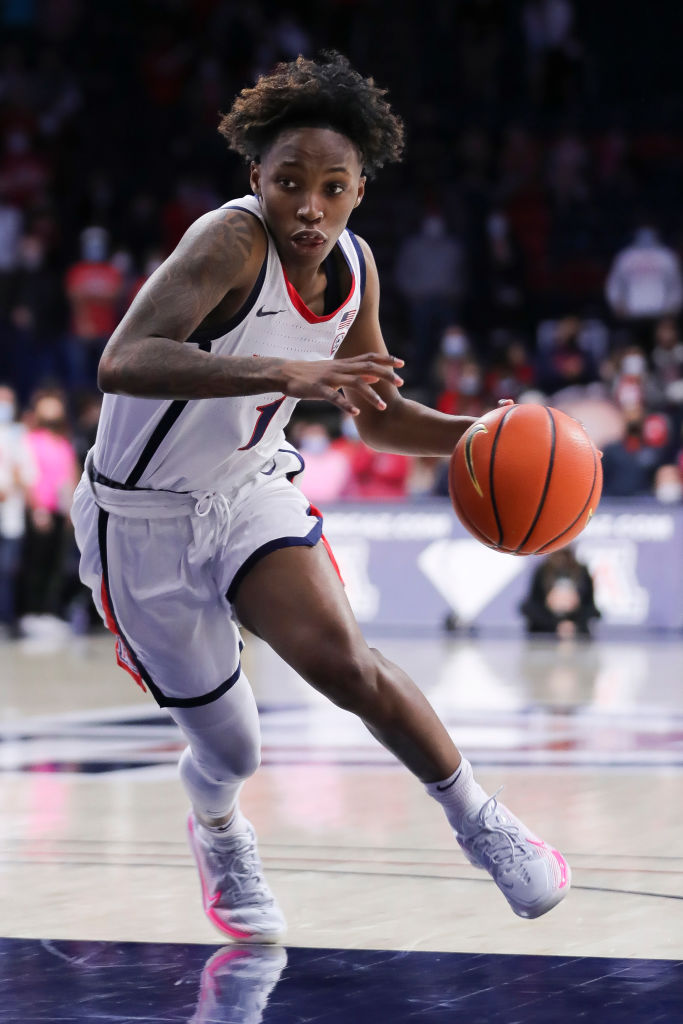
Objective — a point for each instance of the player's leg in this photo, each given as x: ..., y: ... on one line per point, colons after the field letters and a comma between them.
x: 293, y: 599
x: 183, y: 647
x: 224, y: 751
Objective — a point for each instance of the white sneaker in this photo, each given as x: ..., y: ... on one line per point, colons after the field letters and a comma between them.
x: 235, y: 894
x: 237, y: 982
x: 532, y: 876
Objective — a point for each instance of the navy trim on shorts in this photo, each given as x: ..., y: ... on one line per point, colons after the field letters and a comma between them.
x: 294, y: 472
x: 162, y: 700
x: 205, y: 698
x: 361, y: 261
x: 309, y: 541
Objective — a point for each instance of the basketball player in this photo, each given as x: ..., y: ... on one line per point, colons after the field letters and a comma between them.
x: 186, y: 516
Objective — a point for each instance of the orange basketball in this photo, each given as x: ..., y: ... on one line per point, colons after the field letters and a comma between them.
x: 525, y: 479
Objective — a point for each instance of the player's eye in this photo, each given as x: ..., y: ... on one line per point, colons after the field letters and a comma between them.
x: 286, y: 183
x: 335, y: 188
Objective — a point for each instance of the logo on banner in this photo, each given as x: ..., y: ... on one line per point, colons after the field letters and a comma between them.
x: 619, y: 594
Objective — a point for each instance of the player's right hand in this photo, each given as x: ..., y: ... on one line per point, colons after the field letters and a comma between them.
x: 324, y: 379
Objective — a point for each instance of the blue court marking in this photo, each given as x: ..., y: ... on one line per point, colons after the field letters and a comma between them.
x: 97, y: 982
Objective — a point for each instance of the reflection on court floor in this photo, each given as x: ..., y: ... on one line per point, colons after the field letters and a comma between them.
x: 87, y: 982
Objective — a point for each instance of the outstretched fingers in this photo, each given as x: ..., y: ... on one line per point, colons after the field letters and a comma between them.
x: 359, y: 372
x: 337, y: 398
x: 324, y: 380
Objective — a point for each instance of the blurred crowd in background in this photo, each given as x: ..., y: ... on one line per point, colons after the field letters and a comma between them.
x: 529, y: 245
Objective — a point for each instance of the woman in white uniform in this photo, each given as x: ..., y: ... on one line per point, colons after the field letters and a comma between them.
x: 186, y: 512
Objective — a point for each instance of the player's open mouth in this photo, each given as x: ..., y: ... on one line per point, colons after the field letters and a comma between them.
x: 309, y: 240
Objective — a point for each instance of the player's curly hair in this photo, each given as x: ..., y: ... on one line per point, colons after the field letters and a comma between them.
x: 325, y: 92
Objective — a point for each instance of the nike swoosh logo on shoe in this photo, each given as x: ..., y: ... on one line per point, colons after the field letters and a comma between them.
x: 268, y: 312
x: 213, y: 900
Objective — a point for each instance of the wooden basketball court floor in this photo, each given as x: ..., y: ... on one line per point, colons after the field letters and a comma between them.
x: 101, y: 917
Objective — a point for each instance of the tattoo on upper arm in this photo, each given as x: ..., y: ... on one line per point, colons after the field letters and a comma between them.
x: 193, y: 280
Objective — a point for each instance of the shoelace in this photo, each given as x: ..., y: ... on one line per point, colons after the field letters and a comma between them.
x: 206, y: 502
x: 243, y: 877
x: 507, y: 844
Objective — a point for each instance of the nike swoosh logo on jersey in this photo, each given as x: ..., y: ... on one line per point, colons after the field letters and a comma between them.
x: 268, y: 312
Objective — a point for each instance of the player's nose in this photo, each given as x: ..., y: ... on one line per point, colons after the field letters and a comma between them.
x: 310, y: 208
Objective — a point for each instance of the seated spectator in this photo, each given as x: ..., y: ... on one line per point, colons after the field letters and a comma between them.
x: 633, y: 384
x: 511, y: 372
x: 560, y: 600
x: 377, y: 476
x: 328, y: 469
x: 459, y: 378
x: 94, y: 288
x: 629, y: 465
x: 564, y: 357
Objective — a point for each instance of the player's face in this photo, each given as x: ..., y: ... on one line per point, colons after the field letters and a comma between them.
x: 309, y: 181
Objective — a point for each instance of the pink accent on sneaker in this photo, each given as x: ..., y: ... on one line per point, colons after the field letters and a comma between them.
x: 209, y: 901
x: 209, y: 983
x: 564, y: 867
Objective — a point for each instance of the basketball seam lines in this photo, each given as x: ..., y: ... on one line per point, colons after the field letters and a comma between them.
x: 575, y: 521
x: 491, y: 488
x: 549, y: 473
x: 479, y: 534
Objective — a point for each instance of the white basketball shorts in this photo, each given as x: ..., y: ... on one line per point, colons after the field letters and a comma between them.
x: 164, y: 568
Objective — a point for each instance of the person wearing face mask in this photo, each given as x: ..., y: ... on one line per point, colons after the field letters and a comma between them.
x: 430, y: 275
x: 327, y: 469
x: 460, y: 380
x: 17, y: 476
x: 47, y: 522
x: 634, y: 384
x: 94, y: 287
x: 629, y: 465
x: 560, y: 599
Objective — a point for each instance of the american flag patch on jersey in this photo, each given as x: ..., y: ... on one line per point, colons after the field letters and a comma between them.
x: 346, y: 320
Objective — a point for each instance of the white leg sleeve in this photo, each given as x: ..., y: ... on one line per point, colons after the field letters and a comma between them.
x: 224, y: 749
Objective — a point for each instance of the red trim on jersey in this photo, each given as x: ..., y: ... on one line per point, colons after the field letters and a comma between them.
x: 120, y: 648
x: 318, y: 514
x: 303, y: 309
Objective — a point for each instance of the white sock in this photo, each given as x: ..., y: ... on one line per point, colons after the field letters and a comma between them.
x: 459, y: 794
x: 237, y: 825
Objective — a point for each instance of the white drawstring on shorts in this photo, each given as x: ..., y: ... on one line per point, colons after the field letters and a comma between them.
x: 205, y: 502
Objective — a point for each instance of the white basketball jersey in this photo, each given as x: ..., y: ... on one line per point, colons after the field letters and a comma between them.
x: 219, y: 443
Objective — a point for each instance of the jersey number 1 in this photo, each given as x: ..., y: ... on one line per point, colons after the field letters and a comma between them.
x: 266, y: 414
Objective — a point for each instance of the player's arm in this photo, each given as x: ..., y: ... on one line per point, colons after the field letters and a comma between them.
x: 145, y: 357
x: 403, y: 426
